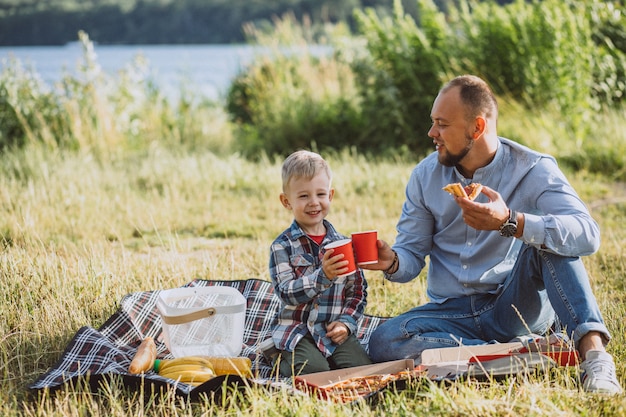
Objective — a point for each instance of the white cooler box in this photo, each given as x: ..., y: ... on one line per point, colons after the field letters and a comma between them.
x: 203, y: 320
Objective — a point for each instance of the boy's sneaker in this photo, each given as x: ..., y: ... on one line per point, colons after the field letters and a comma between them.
x: 598, y: 373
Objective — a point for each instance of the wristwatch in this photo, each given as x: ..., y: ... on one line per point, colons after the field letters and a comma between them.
x: 509, y: 227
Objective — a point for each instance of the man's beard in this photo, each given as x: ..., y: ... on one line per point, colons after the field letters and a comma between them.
x: 451, y: 160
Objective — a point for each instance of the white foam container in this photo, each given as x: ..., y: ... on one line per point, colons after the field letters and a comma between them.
x: 202, y: 320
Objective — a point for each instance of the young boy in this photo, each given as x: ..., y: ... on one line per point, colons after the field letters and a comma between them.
x: 316, y: 325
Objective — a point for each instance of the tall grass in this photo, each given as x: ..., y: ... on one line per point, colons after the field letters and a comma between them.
x: 78, y: 236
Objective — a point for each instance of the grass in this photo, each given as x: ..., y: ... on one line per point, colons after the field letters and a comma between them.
x: 78, y: 234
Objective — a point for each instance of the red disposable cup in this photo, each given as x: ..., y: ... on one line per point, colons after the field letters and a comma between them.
x: 365, y: 248
x: 344, y: 246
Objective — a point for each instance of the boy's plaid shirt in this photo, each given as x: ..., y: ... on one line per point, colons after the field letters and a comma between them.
x: 309, y: 300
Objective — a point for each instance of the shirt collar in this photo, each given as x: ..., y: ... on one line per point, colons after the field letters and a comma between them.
x: 331, y: 234
x: 485, y: 172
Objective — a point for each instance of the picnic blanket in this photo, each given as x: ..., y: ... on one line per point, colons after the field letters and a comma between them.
x: 96, y: 355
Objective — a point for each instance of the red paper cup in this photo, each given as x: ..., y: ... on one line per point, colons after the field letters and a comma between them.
x: 344, y: 246
x: 365, y: 248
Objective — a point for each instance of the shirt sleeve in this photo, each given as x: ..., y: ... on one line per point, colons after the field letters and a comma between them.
x: 297, y: 278
x: 561, y: 222
x: 415, y: 233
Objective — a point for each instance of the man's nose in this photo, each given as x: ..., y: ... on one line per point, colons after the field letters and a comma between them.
x: 433, y: 132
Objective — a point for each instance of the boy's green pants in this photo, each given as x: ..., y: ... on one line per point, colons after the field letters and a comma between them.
x: 307, y: 358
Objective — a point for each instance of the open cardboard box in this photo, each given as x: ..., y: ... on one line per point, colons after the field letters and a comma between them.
x: 465, y: 353
x: 320, y: 382
x: 501, y: 358
x: 454, y: 361
x: 437, y: 364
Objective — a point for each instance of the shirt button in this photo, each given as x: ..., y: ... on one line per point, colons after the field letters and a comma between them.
x: 464, y: 266
x: 469, y: 243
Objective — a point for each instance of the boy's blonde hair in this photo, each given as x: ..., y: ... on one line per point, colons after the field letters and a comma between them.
x: 303, y: 164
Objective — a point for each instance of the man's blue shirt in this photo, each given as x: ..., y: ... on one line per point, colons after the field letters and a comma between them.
x: 465, y: 261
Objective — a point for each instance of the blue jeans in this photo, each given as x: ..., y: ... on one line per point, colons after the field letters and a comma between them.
x: 541, y: 287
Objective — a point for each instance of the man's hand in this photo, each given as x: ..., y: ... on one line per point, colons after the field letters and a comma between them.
x: 337, y: 332
x: 484, y: 216
x: 385, y: 257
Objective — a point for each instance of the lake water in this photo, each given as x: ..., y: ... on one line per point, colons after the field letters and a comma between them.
x: 208, y: 68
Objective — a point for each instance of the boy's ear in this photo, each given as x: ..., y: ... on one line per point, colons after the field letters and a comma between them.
x: 284, y: 201
x: 331, y: 194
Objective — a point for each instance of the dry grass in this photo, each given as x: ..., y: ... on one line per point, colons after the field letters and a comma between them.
x: 79, y: 234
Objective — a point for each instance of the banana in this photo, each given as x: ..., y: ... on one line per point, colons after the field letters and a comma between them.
x: 241, y: 366
x: 193, y: 370
x: 173, y: 370
x: 198, y: 375
x: 165, y: 364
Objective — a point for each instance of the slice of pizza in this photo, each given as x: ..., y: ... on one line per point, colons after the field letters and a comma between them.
x: 470, y: 191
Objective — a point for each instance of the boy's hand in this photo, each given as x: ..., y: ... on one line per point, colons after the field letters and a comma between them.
x: 333, y: 265
x: 337, y: 332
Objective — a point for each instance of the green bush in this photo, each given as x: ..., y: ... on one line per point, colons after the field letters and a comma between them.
x: 377, y: 99
x: 608, y: 21
x: 26, y: 107
x: 11, y: 130
x: 295, y: 100
x: 550, y: 54
x: 398, y: 81
x: 540, y: 53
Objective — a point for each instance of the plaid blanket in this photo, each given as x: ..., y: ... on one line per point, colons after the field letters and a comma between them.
x: 96, y: 355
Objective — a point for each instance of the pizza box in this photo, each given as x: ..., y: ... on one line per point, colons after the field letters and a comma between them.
x: 452, y: 362
x: 465, y: 353
x: 498, y: 358
x: 324, y: 384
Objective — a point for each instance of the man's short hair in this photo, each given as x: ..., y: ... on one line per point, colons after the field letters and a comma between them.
x: 476, y: 95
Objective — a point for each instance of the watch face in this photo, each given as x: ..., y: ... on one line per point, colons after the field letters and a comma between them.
x: 508, y: 230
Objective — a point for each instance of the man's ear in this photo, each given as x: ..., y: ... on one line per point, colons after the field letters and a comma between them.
x: 480, y: 125
x: 284, y: 201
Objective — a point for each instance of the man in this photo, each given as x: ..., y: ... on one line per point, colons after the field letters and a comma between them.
x: 503, y: 265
